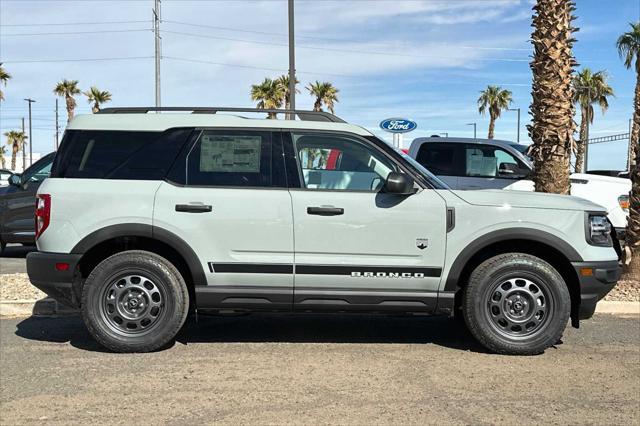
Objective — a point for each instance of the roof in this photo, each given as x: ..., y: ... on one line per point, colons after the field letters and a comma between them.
x: 164, y: 121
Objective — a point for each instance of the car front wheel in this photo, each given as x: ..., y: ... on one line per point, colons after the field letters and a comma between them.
x: 516, y: 304
x: 134, y: 301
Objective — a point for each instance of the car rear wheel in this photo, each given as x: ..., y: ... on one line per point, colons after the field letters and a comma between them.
x: 134, y: 301
x: 516, y: 304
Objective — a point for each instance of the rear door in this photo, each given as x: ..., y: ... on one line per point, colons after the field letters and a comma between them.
x: 228, y: 200
x: 356, y: 247
x: 443, y: 160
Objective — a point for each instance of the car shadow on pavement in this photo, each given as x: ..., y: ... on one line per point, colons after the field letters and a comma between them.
x: 278, y: 328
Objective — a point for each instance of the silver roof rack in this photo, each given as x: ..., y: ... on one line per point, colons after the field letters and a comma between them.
x: 302, y: 115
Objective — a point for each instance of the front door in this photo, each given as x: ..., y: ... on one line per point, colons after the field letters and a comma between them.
x: 231, y: 205
x: 356, y: 247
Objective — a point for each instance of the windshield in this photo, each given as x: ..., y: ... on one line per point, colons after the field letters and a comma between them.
x: 433, y: 179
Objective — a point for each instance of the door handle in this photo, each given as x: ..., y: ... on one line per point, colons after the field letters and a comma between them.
x: 325, y: 211
x: 193, y: 208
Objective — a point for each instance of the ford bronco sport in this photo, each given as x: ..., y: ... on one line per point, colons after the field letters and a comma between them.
x: 147, y: 217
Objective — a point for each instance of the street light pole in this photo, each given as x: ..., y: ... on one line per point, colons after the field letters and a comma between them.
x: 292, y: 62
x: 30, y: 101
x: 156, y: 30
x: 475, y: 126
x: 518, y: 110
x: 57, y: 126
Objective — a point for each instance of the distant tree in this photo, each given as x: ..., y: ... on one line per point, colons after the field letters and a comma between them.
x: 628, y: 45
x: 283, y: 82
x: 589, y: 88
x: 269, y: 94
x: 4, y: 78
x: 325, y: 94
x: 16, y: 140
x: 495, y: 100
x: 68, y: 89
x: 552, y: 108
x: 97, y: 97
x: 3, y: 152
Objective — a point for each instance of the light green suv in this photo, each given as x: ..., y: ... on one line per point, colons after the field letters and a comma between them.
x: 147, y: 217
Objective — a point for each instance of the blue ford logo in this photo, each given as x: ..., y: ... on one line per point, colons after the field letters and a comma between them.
x: 398, y: 125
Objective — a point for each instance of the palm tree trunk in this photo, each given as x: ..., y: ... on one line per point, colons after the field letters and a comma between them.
x: 633, y: 223
x: 317, y: 105
x: 70, y: 108
x: 552, y: 108
x: 4, y: 162
x: 492, y: 127
x: 14, y: 153
x: 635, y: 126
x: 582, y: 142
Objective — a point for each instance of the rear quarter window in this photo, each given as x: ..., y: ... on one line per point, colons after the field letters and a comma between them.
x: 98, y: 154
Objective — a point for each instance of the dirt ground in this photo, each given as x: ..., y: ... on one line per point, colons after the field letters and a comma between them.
x: 315, y: 369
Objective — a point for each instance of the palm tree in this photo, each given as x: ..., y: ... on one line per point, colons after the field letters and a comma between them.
x: 68, y: 89
x: 552, y: 107
x: 17, y: 141
x: 493, y: 99
x: 628, y: 45
x: 269, y: 95
x: 283, y: 81
x: 325, y: 93
x: 589, y: 88
x: 4, y: 77
x: 97, y: 97
x: 3, y: 161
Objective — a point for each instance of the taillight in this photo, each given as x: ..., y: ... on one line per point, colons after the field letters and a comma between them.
x: 43, y: 213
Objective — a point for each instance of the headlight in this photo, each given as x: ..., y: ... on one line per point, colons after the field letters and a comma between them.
x: 623, y: 200
x: 598, y: 230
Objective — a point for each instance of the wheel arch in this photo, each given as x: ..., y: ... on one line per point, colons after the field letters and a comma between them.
x: 107, y: 241
x: 544, y: 245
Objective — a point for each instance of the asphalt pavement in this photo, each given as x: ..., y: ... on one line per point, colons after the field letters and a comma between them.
x: 344, y: 369
x: 13, y: 259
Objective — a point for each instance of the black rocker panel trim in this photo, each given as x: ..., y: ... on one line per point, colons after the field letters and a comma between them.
x: 505, y: 235
x: 282, y: 268
x: 147, y: 231
x: 251, y: 298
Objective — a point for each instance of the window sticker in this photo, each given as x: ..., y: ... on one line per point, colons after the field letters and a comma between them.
x: 230, y: 154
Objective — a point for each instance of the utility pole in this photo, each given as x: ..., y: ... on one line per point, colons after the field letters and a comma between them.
x: 156, y: 30
x: 30, y: 101
x: 292, y: 62
x: 518, y: 110
x: 475, y: 127
x: 24, y: 152
x: 57, y: 127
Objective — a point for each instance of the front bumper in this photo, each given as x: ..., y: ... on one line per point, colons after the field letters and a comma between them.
x: 595, y: 284
x: 56, y: 283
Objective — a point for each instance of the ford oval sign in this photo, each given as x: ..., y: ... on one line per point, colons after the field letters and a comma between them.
x: 398, y: 125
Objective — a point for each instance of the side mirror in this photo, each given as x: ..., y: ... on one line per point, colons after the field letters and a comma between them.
x: 15, y: 180
x: 507, y: 169
x: 399, y: 183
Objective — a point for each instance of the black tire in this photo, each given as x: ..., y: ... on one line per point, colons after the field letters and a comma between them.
x: 161, y: 302
x: 516, y: 304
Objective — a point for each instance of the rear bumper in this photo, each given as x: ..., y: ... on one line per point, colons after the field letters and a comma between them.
x: 596, y: 285
x: 57, y: 284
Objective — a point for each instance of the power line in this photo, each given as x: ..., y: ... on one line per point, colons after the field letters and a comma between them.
x: 30, y: 61
x: 333, y: 39
x: 369, y: 52
x: 76, y: 32
x: 74, y: 23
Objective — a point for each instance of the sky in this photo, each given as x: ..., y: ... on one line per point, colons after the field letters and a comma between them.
x: 422, y: 60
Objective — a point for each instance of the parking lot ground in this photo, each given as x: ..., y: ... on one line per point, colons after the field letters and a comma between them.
x: 13, y: 259
x: 345, y: 369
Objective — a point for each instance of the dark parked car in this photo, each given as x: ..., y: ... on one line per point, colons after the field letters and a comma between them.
x: 17, y: 203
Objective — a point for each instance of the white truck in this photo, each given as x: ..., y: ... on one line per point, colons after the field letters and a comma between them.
x: 147, y: 217
x: 470, y: 164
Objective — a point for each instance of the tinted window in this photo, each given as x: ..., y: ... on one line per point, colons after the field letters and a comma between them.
x: 340, y: 163
x: 230, y: 158
x: 118, y: 154
x: 40, y: 170
x: 440, y: 158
